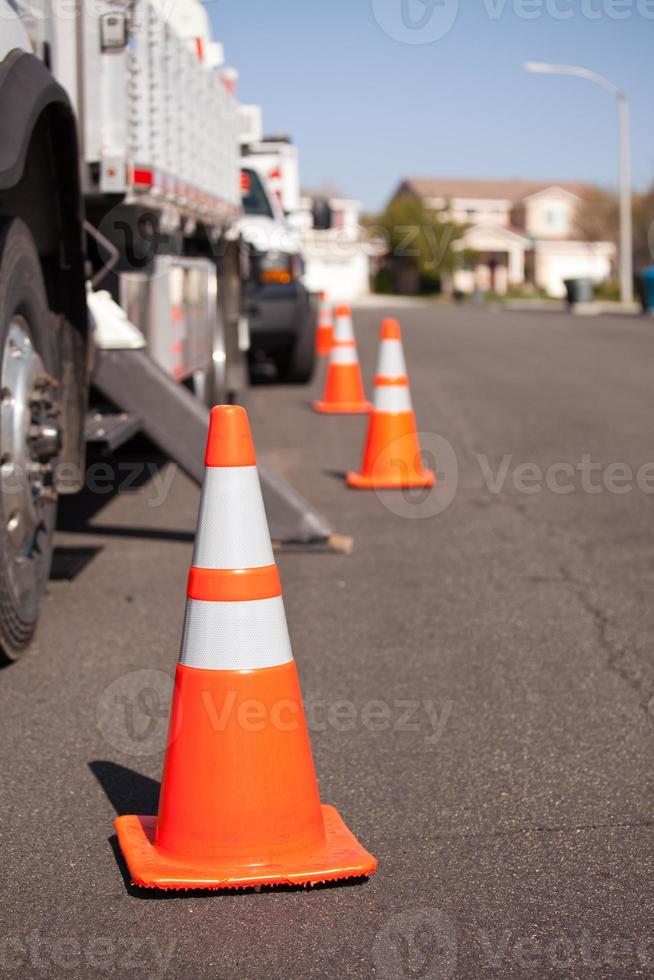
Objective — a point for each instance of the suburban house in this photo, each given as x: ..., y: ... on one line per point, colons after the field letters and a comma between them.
x: 336, y: 253
x: 519, y: 232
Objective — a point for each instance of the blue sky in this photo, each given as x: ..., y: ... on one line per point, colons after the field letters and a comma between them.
x: 366, y: 108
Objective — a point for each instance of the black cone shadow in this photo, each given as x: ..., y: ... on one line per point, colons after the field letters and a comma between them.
x: 127, y: 791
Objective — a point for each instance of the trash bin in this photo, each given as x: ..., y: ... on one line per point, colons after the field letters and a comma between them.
x: 579, y: 290
x: 645, y: 282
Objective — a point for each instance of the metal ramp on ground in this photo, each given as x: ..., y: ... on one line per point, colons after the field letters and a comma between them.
x: 177, y: 423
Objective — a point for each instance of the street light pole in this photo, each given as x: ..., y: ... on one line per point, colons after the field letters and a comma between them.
x: 626, y: 255
x: 626, y: 258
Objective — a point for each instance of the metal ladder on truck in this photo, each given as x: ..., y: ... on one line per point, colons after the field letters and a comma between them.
x: 150, y: 401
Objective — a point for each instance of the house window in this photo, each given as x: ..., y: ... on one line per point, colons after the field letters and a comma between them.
x: 471, y: 214
x: 556, y: 219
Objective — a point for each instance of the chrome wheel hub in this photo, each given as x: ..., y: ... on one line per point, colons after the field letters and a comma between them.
x: 30, y: 439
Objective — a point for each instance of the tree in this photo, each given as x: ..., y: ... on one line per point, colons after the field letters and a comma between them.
x: 598, y: 220
x: 419, y: 243
x: 598, y: 217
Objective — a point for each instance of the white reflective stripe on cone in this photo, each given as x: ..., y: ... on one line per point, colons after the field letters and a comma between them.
x: 232, y: 528
x: 343, y: 329
x: 235, y: 635
x: 391, y: 359
x: 343, y: 355
x: 392, y: 398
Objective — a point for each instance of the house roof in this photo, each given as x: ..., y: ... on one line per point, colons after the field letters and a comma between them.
x: 499, y: 231
x: 326, y: 191
x: 502, y: 190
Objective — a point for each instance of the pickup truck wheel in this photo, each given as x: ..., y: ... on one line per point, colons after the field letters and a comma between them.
x: 29, y: 437
x: 298, y: 368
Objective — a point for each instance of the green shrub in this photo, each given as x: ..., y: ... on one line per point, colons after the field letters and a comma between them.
x: 382, y: 282
x: 609, y: 290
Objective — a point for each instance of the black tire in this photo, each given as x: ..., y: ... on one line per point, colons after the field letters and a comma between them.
x: 298, y: 367
x: 22, y: 294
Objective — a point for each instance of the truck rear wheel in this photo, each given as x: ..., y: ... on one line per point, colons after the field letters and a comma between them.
x: 299, y: 365
x: 29, y: 437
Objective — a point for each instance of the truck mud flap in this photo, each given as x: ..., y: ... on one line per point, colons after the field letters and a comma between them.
x: 177, y: 423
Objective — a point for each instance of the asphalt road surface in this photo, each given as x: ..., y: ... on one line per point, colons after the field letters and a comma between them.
x: 478, y: 675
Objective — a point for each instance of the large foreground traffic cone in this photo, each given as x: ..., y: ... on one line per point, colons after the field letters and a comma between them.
x: 325, y: 331
x: 391, y: 457
x: 239, y: 801
x: 343, y: 394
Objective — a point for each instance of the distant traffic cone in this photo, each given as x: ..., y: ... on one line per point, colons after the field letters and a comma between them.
x: 239, y: 801
x: 391, y: 457
x: 344, y: 394
x: 325, y: 331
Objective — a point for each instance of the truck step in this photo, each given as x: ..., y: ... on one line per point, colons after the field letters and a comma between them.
x: 177, y: 423
x: 110, y: 430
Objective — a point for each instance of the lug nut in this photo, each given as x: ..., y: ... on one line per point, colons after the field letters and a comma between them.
x: 46, y: 440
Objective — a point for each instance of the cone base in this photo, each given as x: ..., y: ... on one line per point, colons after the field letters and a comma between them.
x: 341, y: 856
x: 343, y: 408
x: 361, y: 482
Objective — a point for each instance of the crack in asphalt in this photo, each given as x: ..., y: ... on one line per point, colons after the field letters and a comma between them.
x: 546, y: 829
x: 617, y: 655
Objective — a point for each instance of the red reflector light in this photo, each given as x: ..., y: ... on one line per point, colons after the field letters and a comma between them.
x: 142, y: 178
x: 245, y: 182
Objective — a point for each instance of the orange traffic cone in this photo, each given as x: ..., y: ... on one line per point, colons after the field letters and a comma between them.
x: 325, y: 331
x: 391, y: 457
x: 344, y: 392
x: 239, y: 801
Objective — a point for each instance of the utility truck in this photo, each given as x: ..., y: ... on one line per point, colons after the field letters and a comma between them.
x: 281, y: 312
x: 119, y: 205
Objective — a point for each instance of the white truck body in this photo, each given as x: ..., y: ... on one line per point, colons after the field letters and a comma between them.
x: 277, y: 159
x: 158, y: 126
x: 276, y: 164
x: 155, y: 114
